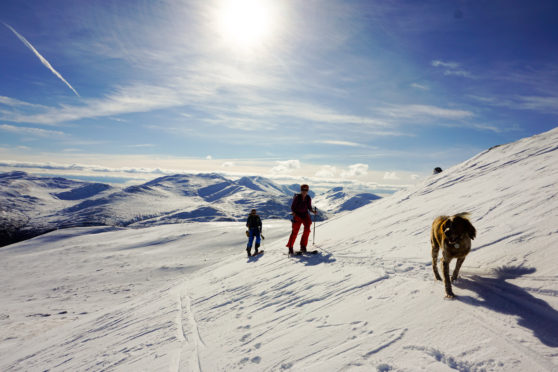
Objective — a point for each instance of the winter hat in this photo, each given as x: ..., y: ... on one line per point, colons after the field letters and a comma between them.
x: 304, y: 187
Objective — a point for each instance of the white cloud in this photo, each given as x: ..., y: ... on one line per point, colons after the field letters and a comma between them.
x: 285, y: 166
x: 355, y: 170
x: 131, y: 99
x: 438, y: 63
x: 413, y: 111
x: 390, y: 176
x: 340, y: 143
x: 16, y: 102
x: 208, y: 157
x: 419, y: 86
x: 326, y: 171
x: 36, y: 132
x: 452, y: 68
x: 545, y: 104
x: 228, y: 164
x: 414, y: 177
x: 539, y: 103
x: 83, y: 167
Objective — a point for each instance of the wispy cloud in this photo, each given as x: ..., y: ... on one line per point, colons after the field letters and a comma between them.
x: 8, y: 101
x: 36, y: 132
x: 41, y: 58
x: 340, y: 143
x: 452, y: 68
x: 419, y: 86
x: 414, y: 111
x: 543, y: 104
x: 539, y: 103
x: 130, y: 99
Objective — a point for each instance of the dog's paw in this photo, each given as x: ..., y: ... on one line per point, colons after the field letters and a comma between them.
x: 449, y: 296
x: 454, y: 279
x: 438, y: 278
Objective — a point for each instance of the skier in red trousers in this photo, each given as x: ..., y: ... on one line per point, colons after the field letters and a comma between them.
x: 302, y: 203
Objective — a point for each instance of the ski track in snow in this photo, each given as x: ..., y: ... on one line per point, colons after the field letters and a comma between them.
x: 187, y: 331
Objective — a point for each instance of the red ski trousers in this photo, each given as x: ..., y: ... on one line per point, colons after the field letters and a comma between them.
x: 307, y: 222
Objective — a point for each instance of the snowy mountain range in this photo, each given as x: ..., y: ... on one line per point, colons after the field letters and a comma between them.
x: 31, y: 205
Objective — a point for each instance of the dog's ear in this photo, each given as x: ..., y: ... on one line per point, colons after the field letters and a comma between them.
x: 471, y: 231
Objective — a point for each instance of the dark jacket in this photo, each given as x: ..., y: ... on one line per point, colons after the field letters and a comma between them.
x: 254, y: 221
x: 300, y: 207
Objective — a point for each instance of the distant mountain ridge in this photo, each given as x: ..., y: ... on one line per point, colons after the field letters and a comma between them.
x: 339, y: 200
x: 32, y: 205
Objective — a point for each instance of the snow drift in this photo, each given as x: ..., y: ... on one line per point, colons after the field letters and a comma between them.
x: 368, y: 301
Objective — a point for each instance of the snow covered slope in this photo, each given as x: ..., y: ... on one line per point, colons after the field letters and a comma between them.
x: 368, y: 301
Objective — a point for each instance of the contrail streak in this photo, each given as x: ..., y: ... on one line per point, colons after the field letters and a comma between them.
x: 41, y: 58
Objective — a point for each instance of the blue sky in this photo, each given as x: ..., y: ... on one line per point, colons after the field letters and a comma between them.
x: 373, y: 92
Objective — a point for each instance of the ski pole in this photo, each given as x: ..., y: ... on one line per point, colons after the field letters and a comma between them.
x: 314, y: 232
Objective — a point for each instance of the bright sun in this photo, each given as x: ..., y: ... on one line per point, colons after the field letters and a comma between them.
x: 245, y: 23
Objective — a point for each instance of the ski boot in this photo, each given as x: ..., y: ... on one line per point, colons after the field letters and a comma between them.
x: 291, y: 251
x: 257, y: 247
x: 303, y: 249
x: 248, y: 251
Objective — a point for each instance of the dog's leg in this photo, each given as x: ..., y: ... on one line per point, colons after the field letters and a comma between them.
x: 435, y: 249
x: 457, y: 267
x: 445, y: 264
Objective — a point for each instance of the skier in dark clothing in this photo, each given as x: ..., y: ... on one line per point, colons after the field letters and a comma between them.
x: 302, y: 203
x: 254, y: 225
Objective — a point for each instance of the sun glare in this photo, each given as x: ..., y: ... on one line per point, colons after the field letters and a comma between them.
x: 245, y: 23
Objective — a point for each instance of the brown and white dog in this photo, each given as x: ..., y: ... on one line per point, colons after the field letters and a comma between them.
x: 453, y: 234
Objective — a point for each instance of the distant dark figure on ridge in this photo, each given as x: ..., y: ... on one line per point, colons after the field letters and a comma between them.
x: 437, y: 170
x: 254, y: 225
x: 302, y: 203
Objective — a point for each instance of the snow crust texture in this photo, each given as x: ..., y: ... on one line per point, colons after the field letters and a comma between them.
x: 184, y: 297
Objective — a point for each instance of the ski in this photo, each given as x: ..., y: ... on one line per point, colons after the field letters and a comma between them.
x: 300, y: 253
x: 256, y: 254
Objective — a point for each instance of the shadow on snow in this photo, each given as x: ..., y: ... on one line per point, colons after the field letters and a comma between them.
x: 315, y: 259
x: 498, y: 295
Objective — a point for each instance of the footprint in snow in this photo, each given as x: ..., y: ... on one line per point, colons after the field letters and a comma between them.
x: 384, y: 367
x: 245, y: 337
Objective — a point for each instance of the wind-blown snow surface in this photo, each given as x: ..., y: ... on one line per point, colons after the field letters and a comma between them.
x: 368, y: 301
